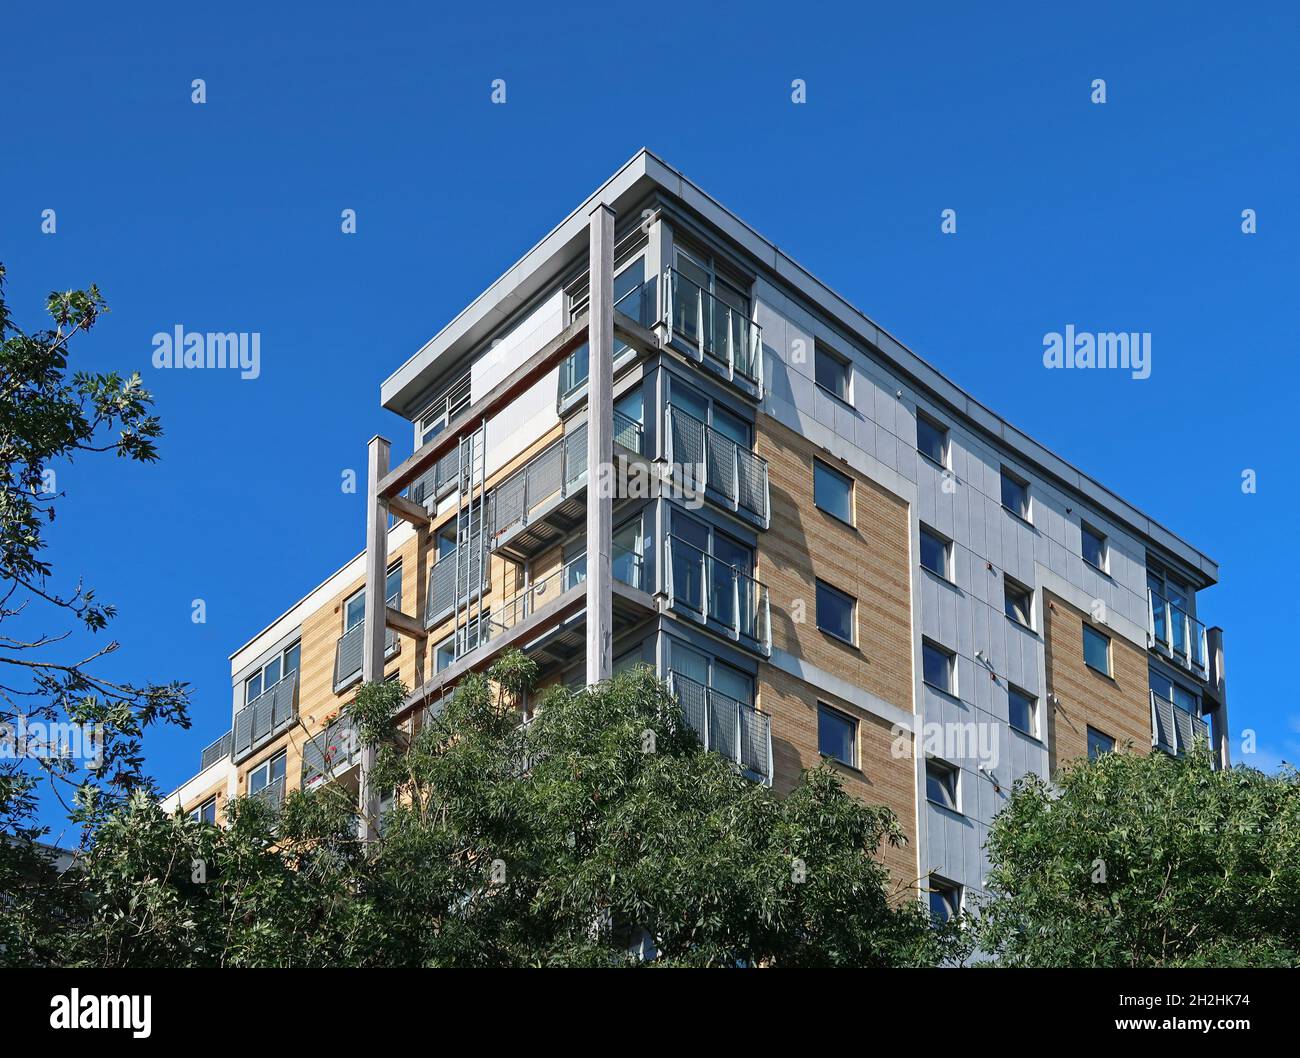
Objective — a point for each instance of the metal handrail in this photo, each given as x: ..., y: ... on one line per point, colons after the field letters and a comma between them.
x: 743, y: 355
x: 745, y: 597
x: 265, y: 716
x: 726, y: 725
x: 1176, y: 633
x: 719, y: 461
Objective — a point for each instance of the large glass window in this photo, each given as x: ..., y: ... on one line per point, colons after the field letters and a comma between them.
x: 1094, y: 548
x: 1023, y: 709
x: 1015, y: 494
x: 833, y: 372
x: 1018, y: 602
x: 837, y: 735
x: 1096, y: 650
x: 835, y: 611
x: 833, y: 491
x: 266, y: 773
x: 938, y: 667
x: 934, y: 553
x: 272, y: 672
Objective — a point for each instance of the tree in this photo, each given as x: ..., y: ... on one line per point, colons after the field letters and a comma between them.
x: 61, y: 723
x: 596, y: 834
x: 1134, y: 860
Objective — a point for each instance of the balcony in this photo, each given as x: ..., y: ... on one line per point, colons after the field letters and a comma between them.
x: 1175, y: 730
x: 1175, y: 634
x: 446, y: 574
x: 218, y: 750
x: 270, y: 713
x: 727, y: 726
x: 330, y: 754
x: 719, y: 334
x: 717, y: 595
x: 719, y: 463
x: 349, y: 651
x: 441, y: 479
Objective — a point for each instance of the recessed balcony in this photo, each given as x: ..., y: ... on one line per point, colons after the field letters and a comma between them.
x: 720, y: 335
x: 1174, y: 729
x: 1176, y: 635
x: 717, y: 595
x: 725, y: 725
x: 718, y: 464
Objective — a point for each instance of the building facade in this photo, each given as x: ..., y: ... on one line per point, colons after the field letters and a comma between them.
x: 656, y: 439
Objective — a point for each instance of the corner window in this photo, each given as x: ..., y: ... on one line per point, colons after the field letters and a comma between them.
x: 1094, y: 548
x: 832, y: 373
x: 941, y: 783
x: 1015, y: 494
x: 1099, y: 743
x: 932, y: 439
x: 945, y: 899
x: 1096, y: 650
x: 833, y: 492
x: 938, y: 667
x: 935, y: 555
x: 835, y: 612
x: 1023, y: 710
x: 837, y: 735
x: 1018, y: 602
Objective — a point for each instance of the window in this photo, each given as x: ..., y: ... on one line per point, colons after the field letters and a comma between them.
x: 832, y: 372
x: 833, y: 491
x: 272, y: 672
x: 453, y: 400
x: 206, y: 812
x: 354, y: 610
x: 445, y: 654
x: 941, y: 783
x: 835, y: 612
x: 1096, y: 650
x: 1094, y: 548
x: 938, y: 667
x: 1019, y: 602
x: 1015, y: 494
x: 934, y: 553
x: 268, y: 773
x: 1099, y: 743
x: 1023, y: 708
x: 932, y: 440
x: 837, y: 735
x: 945, y: 899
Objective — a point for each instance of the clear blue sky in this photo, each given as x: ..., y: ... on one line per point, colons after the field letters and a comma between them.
x: 225, y: 216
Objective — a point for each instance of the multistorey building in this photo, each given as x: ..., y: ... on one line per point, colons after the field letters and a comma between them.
x: 656, y: 439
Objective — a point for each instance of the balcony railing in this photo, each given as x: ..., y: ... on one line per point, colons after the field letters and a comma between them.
x: 265, y: 716
x: 734, y: 471
x: 711, y: 591
x: 330, y: 753
x: 717, y: 331
x: 551, y: 475
x: 350, y: 650
x: 1175, y: 730
x: 439, y: 480
x: 629, y: 433
x: 726, y: 725
x: 441, y: 597
x: 272, y: 793
x: 1176, y: 634
x: 218, y: 750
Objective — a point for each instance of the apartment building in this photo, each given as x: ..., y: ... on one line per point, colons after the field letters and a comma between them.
x: 656, y: 439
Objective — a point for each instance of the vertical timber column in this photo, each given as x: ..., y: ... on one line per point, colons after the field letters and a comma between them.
x: 372, y: 657
x: 600, y: 446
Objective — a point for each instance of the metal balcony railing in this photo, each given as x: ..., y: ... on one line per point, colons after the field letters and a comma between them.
x: 1176, y: 634
x: 629, y: 433
x: 330, y: 753
x: 1175, y: 730
x: 441, y: 597
x: 265, y: 717
x: 441, y: 479
x: 717, y: 331
x: 713, y: 592
x: 349, y: 651
x: 218, y: 750
x: 726, y: 725
x: 714, y: 460
x: 551, y: 475
x: 272, y: 793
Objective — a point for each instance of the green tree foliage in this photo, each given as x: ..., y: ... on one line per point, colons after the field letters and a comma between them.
x: 1147, y: 861
x: 586, y: 837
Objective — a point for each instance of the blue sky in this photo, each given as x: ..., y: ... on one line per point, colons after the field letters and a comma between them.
x: 225, y: 216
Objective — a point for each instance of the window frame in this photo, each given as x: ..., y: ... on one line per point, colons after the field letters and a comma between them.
x: 824, y: 710
x: 835, y: 476
x: 265, y: 766
x: 1007, y: 474
x: 196, y: 814
x: 945, y: 440
x: 1012, y: 587
x: 950, y: 662
x: 1032, y: 699
x: 949, y: 779
x: 937, y: 885
x: 1095, y: 736
x: 1109, y: 670
x: 260, y: 675
x: 1085, y: 531
x: 845, y: 371
x: 945, y: 546
x: 833, y: 592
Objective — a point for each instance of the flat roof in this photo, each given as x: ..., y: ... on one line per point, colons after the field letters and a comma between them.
x: 645, y: 172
